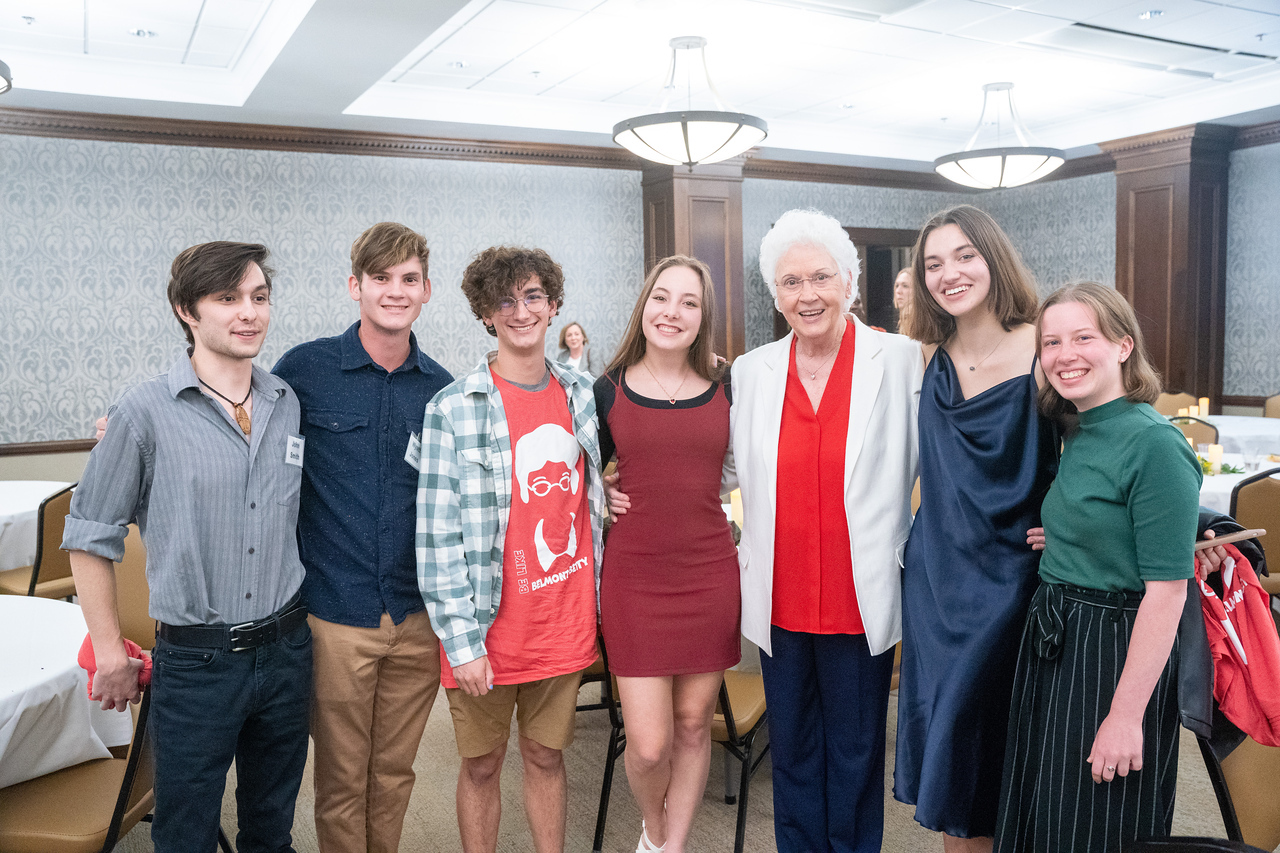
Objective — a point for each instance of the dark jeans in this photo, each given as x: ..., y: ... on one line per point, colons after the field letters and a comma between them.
x: 828, y: 700
x: 209, y: 706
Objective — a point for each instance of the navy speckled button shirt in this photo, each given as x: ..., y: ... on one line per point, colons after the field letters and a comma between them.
x: 357, y: 516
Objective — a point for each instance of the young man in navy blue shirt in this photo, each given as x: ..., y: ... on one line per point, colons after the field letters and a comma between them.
x: 377, y: 660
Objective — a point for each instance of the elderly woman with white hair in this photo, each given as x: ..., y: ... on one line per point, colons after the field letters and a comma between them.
x: 824, y: 435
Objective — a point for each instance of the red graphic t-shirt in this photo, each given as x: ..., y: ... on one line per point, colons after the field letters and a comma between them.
x: 546, y: 622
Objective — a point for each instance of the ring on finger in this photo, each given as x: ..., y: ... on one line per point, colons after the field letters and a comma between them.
x: 1111, y: 768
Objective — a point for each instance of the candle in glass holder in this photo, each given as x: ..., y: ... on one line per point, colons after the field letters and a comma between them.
x: 1193, y: 411
x: 1204, y: 405
x: 1215, y: 458
x: 1182, y: 413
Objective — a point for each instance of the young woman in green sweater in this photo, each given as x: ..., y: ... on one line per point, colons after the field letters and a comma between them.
x: 1091, y: 761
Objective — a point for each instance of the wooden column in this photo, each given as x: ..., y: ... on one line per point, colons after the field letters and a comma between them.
x: 699, y: 213
x: 1171, y: 240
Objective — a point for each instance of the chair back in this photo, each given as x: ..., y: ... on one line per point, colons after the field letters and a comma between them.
x: 1200, y: 432
x: 1168, y: 404
x: 1271, y: 407
x: 133, y: 598
x: 1255, y: 503
x: 51, y: 571
x: 1252, y: 773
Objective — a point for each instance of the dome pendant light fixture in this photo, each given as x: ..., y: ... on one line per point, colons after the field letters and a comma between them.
x: 689, y: 137
x: 988, y: 168
x: 6, y: 78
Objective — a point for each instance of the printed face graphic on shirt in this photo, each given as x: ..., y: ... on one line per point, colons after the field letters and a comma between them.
x: 546, y: 467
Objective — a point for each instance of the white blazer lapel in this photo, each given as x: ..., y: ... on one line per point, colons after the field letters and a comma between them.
x: 774, y: 390
x: 868, y: 372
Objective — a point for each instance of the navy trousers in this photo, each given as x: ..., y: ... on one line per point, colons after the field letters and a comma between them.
x: 209, y: 706
x: 828, y: 700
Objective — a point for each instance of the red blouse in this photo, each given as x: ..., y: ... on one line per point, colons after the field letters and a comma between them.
x: 813, y: 588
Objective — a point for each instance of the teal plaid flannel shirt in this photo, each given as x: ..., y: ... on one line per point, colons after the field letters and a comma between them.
x: 464, y: 502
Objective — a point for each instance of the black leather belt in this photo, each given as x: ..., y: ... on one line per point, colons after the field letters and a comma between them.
x: 238, y: 638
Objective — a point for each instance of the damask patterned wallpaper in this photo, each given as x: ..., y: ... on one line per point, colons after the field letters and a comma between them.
x: 1252, y: 363
x: 90, y: 229
x: 1064, y: 229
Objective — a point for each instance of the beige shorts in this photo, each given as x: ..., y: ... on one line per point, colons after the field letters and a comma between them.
x: 544, y: 713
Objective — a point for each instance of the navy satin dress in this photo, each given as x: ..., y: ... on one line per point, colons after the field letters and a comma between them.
x: 985, y: 465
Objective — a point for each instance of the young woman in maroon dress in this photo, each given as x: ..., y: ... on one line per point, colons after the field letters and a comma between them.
x: 669, y: 596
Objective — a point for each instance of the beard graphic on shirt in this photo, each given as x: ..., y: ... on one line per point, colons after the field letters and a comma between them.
x: 546, y: 467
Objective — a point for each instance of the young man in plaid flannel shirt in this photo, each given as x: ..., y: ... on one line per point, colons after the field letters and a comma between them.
x: 510, y: 503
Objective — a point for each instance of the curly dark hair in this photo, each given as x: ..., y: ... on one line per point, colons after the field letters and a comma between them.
x: 497, y: 271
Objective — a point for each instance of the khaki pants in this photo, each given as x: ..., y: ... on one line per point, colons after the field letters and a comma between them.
x: 372, y: 693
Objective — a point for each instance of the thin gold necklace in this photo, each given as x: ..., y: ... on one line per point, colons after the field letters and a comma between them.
x: 813, y: 375
x: 671, y: 397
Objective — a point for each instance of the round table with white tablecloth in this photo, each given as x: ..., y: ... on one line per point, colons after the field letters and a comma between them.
x: 47, y: 721
x: 1243, y: 434
x: 19, y: 505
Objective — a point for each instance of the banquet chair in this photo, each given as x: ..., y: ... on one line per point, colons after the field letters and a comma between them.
x: 1271, y: 406
x: 599, y: 673
x: 132, y: 595
x: 1168, y: 404
x: 50, y: 575
x: 1200, y: 432
x: 1255, y: 503
x: 740, y: 716
x: 84, y: 808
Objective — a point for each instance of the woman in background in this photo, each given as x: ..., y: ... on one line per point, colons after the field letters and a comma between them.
x: 986, y: 460
x: 1092, y: 754
x: 575, y: 352
x: 902, y: 287
x: 669, y: 596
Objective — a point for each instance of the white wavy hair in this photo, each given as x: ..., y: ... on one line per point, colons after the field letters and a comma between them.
x: 811, y: 228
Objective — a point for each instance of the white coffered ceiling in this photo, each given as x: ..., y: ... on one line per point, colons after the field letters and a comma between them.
x: 889, y: 79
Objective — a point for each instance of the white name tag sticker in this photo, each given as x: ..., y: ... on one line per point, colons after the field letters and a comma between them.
x: 413, y: 453
x: 293, y: 452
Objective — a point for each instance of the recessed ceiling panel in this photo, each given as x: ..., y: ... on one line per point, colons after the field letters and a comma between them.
x: 194, y: 51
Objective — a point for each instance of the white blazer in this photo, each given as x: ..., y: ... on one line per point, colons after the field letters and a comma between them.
x: 879, y: 470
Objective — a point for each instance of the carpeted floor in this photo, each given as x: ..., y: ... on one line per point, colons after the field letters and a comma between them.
x: 431, y: 824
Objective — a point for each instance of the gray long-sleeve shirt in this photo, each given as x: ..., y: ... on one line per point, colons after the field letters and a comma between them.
x: 218, y: 511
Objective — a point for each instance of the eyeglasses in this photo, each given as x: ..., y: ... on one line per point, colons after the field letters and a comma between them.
x: 535, y: 302
x: 819, y: 281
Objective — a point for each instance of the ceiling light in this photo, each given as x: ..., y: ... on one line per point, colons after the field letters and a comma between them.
x: 30, y: 20
x: 999, y: 165
x: 688, y: 137
x: 6, y: 78
x: 1150, y: 13
x: 143, y: 34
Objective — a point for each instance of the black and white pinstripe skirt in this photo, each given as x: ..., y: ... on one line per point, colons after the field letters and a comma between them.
x: 1073, y: 651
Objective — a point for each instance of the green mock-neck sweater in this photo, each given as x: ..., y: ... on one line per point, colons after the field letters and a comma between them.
x: 1124, y: 505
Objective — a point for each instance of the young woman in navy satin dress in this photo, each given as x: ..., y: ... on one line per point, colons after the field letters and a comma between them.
x: 987, y: 457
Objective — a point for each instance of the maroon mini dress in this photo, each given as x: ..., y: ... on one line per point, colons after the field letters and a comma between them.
x: 670, y: 597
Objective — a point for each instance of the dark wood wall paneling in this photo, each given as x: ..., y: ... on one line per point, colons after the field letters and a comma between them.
x: 698, y: 212
x: 1171, y: 234
x: 684, y: 213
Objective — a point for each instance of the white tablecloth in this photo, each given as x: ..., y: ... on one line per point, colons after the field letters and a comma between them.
x: 46, y: 719
x: 1243, y: 434
x: 19, y: 501
x: 1215, y: 491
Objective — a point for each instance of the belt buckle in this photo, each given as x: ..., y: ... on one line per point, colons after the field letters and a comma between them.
x: 234, y: 636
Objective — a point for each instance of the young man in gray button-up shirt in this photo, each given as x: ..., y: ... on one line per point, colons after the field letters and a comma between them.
x: 206, y: 458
